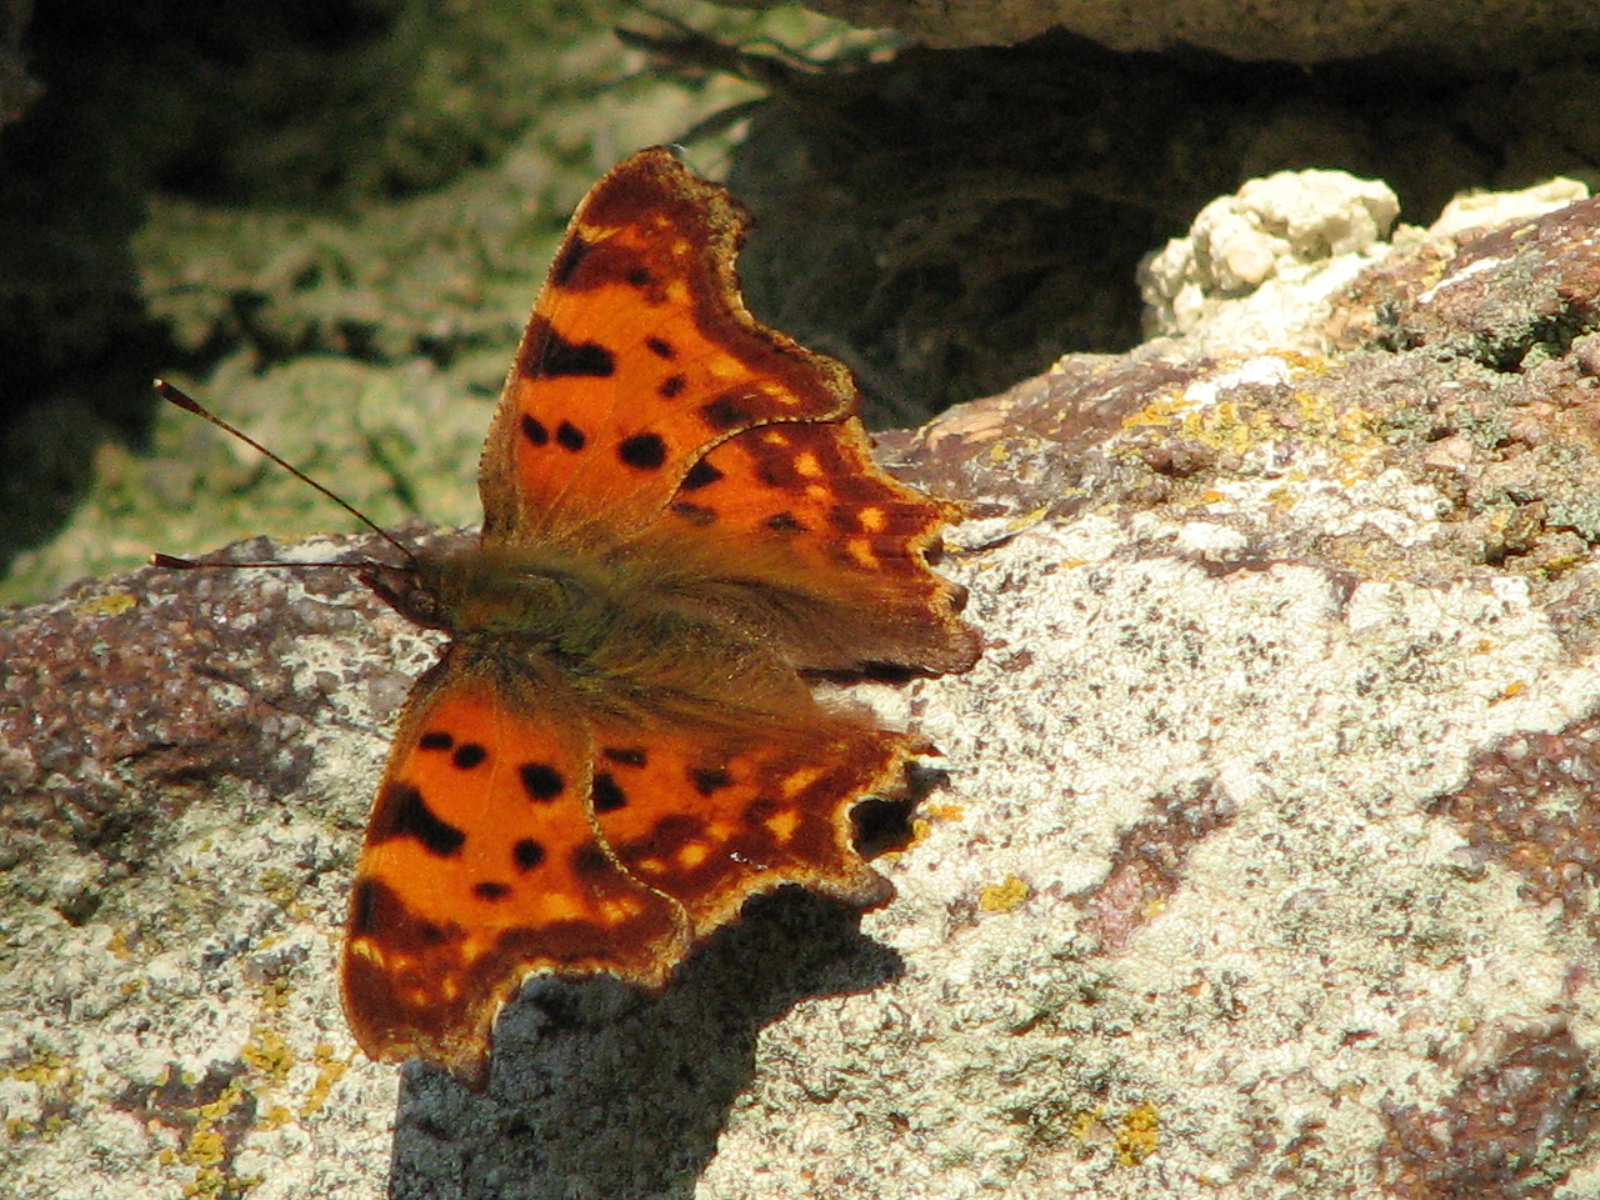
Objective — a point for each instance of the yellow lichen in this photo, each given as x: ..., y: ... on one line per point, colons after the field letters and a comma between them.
x: 275, y: 995
x: 1138, y: 1135
x: 279, y: 886
x: 1159, y: 413
x: 276, y: 1117
x: 330, y: 1069
x: 269, y: 1054
x: 205, y: 1147
x: 46, y: 1070
x: 1004, y: 896
x: 109, y: 605
x: 117, y: 944
x: 1513, y: 689
x: 58, y: 1084
x: 1084, y: 1122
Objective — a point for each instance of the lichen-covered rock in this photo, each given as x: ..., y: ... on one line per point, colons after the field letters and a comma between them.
x: 1261, y: 860
x: 1260, y: 269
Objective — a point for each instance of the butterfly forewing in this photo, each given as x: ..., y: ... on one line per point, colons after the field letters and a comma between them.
x: 639, y: 357
x: 481, y: 866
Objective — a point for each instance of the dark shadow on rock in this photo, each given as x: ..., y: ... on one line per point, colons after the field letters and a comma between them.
x: 599, y: 1090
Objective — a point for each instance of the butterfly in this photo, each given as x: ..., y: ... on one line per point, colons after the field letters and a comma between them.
x: 619, y: 744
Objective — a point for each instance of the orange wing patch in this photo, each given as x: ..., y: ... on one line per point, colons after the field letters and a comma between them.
x: 482, y: 864
x: 640, y: 355
x: 806, y: 506
x: 712, y: 817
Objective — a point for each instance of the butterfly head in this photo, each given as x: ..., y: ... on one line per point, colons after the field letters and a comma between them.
x: 408, y: 591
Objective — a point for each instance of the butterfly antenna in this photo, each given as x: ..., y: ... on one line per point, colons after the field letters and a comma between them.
x: 188, y: 403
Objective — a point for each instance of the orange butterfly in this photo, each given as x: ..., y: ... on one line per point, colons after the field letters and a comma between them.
x: 617, y: 747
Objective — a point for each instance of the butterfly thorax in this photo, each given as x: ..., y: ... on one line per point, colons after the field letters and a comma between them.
x: 624, y: 633
x: 546, y: 601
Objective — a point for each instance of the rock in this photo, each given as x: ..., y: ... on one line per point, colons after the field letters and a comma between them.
x: 1497, y: 33
x: 1285, y: 226
x: 1485, y: 210
x: 1261, y: 860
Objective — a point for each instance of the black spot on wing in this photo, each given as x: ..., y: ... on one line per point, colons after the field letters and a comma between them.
x: 702, y: 474
x: 672, y: 387
x: 660, y: 347
x: 709, y: 780
x: 403, y: 812
x: 727, y: 412
x: 490, y: 890
x: 627, y: 756
x: 696, y: 514
x: 527, y: 854
x: 567, y: 262
x: 469, y: 755
x: 608, y: 796
x: 559, y: 358
x: 785, y: 522
x: 570, y: 437
x: 541, y: 781
x: 534, y: 430
x: 435, y: 739
x: 643, y: 451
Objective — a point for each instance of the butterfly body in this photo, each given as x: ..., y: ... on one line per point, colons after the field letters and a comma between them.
x: 643, y: 634
x: 618, y: 746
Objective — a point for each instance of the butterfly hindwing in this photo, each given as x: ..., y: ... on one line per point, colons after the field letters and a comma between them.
x: 509, y: 839
x: 804, y: 508
x: 713, y: 816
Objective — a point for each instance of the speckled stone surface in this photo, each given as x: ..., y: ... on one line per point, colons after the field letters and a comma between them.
x: 1261, y: 860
